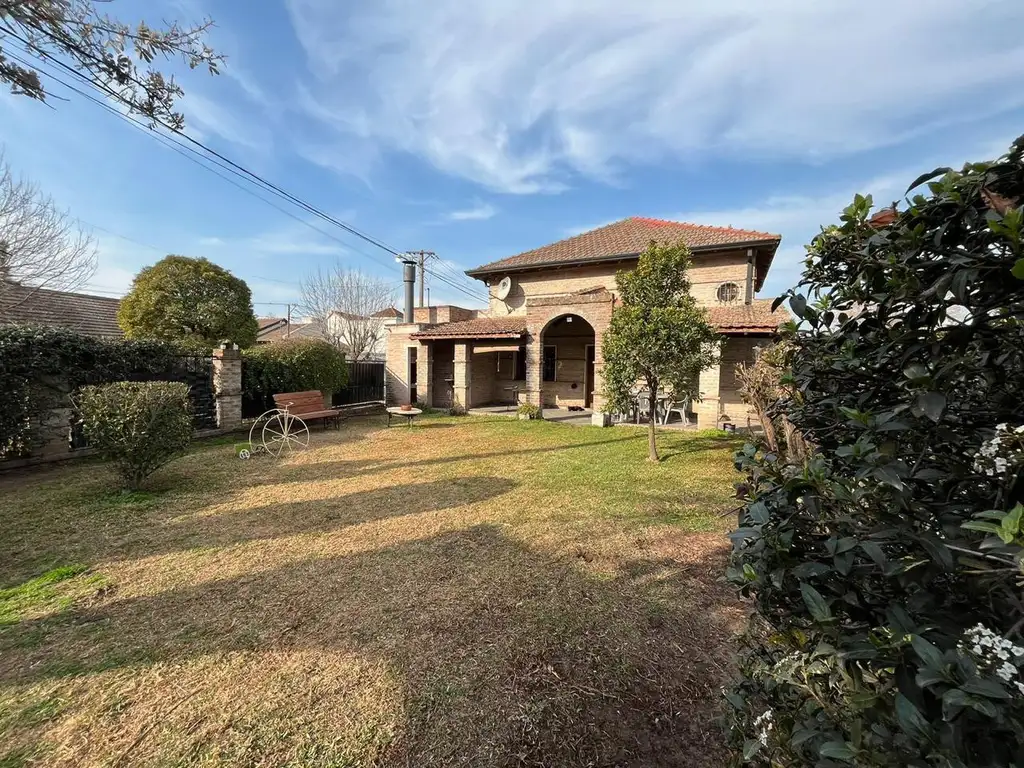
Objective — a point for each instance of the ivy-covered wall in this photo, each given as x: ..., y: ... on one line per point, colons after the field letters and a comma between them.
x: 40, y: 368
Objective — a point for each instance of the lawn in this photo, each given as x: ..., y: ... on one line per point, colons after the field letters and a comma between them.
x: 474, y: 591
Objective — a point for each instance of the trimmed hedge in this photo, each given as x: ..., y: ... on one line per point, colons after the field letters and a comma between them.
x: 139, y: 426
x: 40, y: 366
x: 295, y: 365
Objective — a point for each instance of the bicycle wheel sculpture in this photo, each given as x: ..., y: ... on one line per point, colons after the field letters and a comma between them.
x: 275, y: 432
x: 283, y: 432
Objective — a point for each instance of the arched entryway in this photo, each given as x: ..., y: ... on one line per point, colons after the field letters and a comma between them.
x: 567, y: 364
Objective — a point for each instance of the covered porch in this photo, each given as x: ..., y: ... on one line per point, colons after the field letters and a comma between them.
x: 473, y: 364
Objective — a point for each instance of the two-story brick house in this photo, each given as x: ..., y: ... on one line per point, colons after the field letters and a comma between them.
x: 539, y: 340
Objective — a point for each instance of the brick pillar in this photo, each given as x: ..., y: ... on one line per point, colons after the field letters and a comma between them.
x: 425, y: 374
x: 599, y: 418
x: 463, y: 374
x: 709, y: 407
x: 227, y: 386
x: 534, y: 370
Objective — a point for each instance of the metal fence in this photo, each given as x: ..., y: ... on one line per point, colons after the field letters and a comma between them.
x: 365, y: 383
x: 194, y: 370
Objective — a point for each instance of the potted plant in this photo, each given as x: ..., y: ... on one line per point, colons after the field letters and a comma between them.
x: 528, y: 411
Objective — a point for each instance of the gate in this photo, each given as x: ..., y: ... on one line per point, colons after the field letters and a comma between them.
x: 365, y: 383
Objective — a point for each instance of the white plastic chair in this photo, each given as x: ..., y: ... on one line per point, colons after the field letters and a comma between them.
x: 681, y: 407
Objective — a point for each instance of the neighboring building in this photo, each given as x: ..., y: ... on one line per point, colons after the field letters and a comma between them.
x: 273, y: 329
x: 378, y: 322
x: 549, y: 308
x: 82, y: 312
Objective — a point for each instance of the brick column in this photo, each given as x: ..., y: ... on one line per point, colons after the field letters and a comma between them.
x: 425, y: 374
x: 709, y: 407
x: 463, y: 374
x: 534, y: 370
x: 227, y: 386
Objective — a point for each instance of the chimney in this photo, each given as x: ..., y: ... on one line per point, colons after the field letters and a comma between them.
x: 409, y: 278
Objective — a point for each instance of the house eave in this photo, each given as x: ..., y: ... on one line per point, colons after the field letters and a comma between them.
x: 481, y: 272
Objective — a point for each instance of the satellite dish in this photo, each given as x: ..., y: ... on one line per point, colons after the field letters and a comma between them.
x: 504, y: 288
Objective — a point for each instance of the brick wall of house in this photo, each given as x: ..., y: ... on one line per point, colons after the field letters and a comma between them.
x: 396, y: 372
x: 738, y: 349
x: 707, y: 273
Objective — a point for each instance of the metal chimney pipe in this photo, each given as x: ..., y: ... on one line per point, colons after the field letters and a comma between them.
x: 409, y: 278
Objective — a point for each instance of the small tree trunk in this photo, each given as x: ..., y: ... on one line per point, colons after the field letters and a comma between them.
x: 652, y: 418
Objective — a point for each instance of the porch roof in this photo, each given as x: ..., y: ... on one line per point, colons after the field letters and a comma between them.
x: 756, y: 317
x: 480, y: 328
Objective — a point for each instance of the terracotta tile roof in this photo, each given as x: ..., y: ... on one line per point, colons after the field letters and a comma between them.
x: 756, y: 317
x: 389, y: 312
x: 91, y: 315
x: 630, y: 237
x: 481, y: 328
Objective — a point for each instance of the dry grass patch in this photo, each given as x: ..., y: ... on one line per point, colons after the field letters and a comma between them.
x: 466, y: 592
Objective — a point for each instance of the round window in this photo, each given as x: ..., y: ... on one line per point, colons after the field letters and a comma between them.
x: 728, y: 292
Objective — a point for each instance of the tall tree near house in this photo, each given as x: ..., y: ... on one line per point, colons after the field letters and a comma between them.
x: 74, y: 39
x: 40, y: 245
x: 659, y: 336
x: 346, y: 306
x: 192, y: 301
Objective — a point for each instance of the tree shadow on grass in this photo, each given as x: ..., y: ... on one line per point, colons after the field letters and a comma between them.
x: 504, y: 656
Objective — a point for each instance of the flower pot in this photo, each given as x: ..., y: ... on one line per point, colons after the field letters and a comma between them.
x: 406, y: 407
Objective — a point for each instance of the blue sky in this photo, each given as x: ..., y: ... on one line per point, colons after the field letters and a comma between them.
x: 479, y: 130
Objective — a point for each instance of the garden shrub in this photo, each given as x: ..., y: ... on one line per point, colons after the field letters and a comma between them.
x: 139, y: 426
x: 40, y: 367
x: 886, y: 566
x: 294, y: 365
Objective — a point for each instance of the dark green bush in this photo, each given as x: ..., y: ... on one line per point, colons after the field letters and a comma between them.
x: 886, y: 567
x: 295, y: 365
x: 40, y: 367
x: 139, y: 426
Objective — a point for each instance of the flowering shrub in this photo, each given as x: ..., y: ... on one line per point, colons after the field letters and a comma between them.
x: 1004, y: 451
x: 886, y: 567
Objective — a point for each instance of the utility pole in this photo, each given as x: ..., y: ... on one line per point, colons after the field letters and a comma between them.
x: 422, y: 256
x: 288, y: 324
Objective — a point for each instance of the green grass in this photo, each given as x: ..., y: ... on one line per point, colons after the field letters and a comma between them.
x: 470, y: 591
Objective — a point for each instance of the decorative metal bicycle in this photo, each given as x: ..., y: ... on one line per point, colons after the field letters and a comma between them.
x: 275, y: 432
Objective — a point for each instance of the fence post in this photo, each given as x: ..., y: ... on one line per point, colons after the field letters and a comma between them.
x: 227, y: 386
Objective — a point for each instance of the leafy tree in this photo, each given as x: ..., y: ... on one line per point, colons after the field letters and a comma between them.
x: 192, y: 301
x: 886, y: 566
x: 72, y: 37
x: 659, y: 336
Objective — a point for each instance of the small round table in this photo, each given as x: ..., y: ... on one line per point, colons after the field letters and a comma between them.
x: 409, y: 414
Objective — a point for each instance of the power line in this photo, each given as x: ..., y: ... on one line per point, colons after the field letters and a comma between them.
x: 230, y: 167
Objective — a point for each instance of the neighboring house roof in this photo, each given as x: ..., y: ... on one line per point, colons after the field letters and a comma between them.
x: 482, y: 328
x: 91, y: 315
x: 756, y: 317
x: 388, y: 313
x: 282, y: 331
x: 266, y: 323
x: 630, y: 237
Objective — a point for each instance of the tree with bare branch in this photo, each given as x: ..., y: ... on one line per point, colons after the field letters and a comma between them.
x: 41, y: 246
x: 347, y: 307
x: 72, y: 40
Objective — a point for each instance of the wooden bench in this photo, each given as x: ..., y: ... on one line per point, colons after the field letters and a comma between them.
x: 307, y: 405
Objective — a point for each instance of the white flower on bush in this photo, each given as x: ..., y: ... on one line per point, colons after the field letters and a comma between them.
x: 999, y: 454
x: 765, y: 724
x: 994, y: 653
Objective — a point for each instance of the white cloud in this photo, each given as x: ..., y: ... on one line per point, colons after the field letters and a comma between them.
x: 479, y: 212
x: 799, y: 217
x: 521, y: 98
x: 206, y: 117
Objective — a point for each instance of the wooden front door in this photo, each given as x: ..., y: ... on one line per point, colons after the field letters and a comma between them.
x: 588, y: 381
